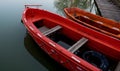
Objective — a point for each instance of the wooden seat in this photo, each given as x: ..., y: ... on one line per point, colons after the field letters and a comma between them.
x: 43, y: 29
x: 52, y: 30
x: 77, y: 45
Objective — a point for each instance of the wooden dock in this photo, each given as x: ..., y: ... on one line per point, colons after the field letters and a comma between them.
x: 108, y: 9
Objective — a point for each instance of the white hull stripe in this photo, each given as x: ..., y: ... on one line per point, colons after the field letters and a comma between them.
x: 25, y: 19
x: 31, y: 28
x: 52, y: 44
x: 24, y: 12
x: 39, y: 35
x: 75, y: 59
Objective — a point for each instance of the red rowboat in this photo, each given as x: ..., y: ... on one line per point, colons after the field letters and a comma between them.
x: 65, y: 41
x: 96, y: 22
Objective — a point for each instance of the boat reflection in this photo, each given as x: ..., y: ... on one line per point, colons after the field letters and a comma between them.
x: 40, y: 55
x: 88, y: 5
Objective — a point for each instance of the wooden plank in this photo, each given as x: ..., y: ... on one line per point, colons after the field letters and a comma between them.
x: 111, y: 15
x: 52, y: 30
x: 43, y: 29
x: 108, y: 9
x: 77, y: 45
x: 118, y: 67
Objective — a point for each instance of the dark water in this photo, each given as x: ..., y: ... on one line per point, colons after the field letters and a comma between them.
x: 18, y: 52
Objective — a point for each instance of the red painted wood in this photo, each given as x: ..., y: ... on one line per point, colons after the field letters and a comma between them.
x: 97, y: 41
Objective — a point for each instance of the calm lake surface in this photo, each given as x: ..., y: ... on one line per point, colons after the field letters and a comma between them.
x: 18, y: 51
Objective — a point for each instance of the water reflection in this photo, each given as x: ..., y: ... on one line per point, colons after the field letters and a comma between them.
x: 40, y: 55
x: 87, y: 5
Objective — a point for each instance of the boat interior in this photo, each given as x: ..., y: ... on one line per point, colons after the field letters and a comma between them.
x: 99, y: 24
x: 79, y: 47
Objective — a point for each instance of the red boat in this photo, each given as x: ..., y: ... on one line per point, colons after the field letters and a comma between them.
x: 69, y: 43
x: 93, y: 21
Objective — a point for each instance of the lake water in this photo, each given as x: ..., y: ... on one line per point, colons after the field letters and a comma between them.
x: 18, y: 51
